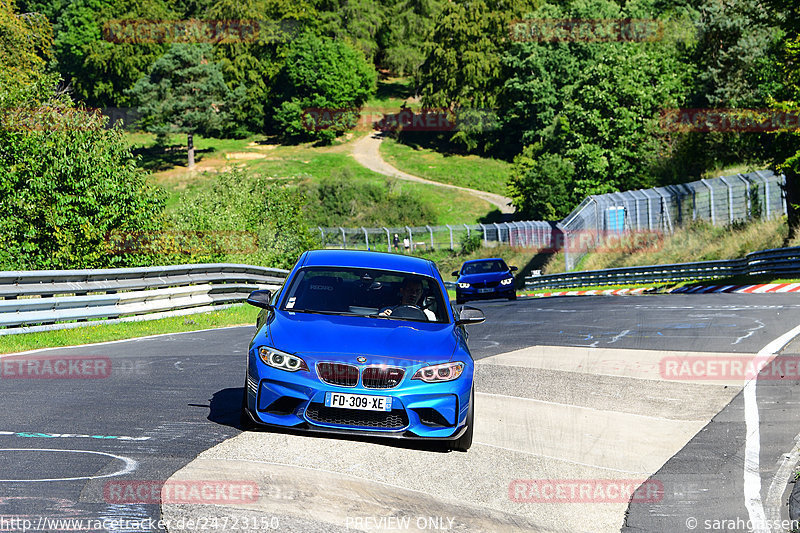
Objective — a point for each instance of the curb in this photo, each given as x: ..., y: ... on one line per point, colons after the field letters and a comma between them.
x: 745, y: 289
x: 597, y: 292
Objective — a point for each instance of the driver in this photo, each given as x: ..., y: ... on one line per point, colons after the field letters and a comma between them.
x: 410, y: 294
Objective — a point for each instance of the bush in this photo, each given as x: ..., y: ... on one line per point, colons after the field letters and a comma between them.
x: 247, y: 218
x: 66, y: 182
x: 340, y: 201
x: 470, y: 243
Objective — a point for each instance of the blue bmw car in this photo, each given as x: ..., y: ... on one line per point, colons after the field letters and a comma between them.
x: 482, y: 279
x: 362, y: 343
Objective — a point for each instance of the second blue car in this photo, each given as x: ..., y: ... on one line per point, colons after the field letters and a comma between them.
x: 483, y: 279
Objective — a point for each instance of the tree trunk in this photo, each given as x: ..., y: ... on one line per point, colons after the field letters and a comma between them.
x: 191, y: 149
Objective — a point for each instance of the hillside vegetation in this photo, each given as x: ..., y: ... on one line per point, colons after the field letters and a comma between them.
x: 697, y: 242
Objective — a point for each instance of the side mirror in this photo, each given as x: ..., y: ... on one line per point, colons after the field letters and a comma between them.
x: 455, y: 273
x: 512, y: 269
x: 260, y: 299
x: 469, y: 315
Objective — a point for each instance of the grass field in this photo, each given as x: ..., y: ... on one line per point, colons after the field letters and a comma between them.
x: 484, y: 174
x: 232, y: 316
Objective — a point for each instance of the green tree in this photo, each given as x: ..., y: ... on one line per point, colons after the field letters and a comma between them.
x: 321, y: 74
x: 255, y: 63
x: 540, y: 185
x: 24, y: 48
x: 589, y: 110
x: 355, y: 22
x: 463, y: 59
x: 98, y: 65
x: 185, y: 92
x: 408, y: 25
x: 784, y: 151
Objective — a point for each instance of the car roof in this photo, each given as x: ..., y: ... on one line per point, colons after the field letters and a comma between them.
x: 482, y: 260
x: 364, y: 259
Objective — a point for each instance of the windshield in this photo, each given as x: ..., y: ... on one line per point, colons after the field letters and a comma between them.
x: 482, y: 267
x: 367, y: 292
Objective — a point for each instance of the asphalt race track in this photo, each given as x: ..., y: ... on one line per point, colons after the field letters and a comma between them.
x: 576, y: 405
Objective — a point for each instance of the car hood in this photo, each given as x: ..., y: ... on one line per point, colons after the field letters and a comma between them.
x: 347, y: 337
x: 488, y: 276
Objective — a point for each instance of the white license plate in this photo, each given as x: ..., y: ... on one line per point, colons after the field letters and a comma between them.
x: 485, y: 290
x: 358, y: 401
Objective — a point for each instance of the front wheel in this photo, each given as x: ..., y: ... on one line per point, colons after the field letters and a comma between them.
x: 463, y: 443
x: 512, y: 297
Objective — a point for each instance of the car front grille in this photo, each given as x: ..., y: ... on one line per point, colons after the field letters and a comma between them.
x: 395, y: 419
x: 338, y: 374
x: 376, y: 377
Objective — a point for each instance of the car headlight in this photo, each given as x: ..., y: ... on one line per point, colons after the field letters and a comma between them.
x: 439, y: 373
x: 463, y: 285
x: 507, y: 281
x: 282, y: 360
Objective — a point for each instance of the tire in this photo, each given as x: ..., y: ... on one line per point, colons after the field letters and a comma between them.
x: 512, y: 297
x: 463, y: 443
x: 245, y: 422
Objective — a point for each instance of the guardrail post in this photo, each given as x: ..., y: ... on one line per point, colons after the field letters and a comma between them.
x: 451, y: 235
x: 485, y: 237
x: 388, y: 239
x: 344, y: 238
x: 410, y: 239
x: 467, y: 230
x: 430, y: 229
x: 322, y: 231
x: 366, y: 237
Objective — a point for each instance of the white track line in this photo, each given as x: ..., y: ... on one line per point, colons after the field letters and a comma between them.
x: 752, y: 448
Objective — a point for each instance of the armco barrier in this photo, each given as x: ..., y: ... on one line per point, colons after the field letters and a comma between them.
x: 778, y: 261
x: 43, y: 300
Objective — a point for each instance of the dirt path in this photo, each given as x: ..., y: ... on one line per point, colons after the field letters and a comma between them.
x: 366, y: 152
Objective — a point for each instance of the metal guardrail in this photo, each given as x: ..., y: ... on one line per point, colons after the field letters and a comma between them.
x: 42, y: 300
x: 778, y: 261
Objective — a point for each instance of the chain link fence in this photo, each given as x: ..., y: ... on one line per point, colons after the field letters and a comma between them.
x: 529, y: 234
x: 720, y: 201
x: 660, y: 210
